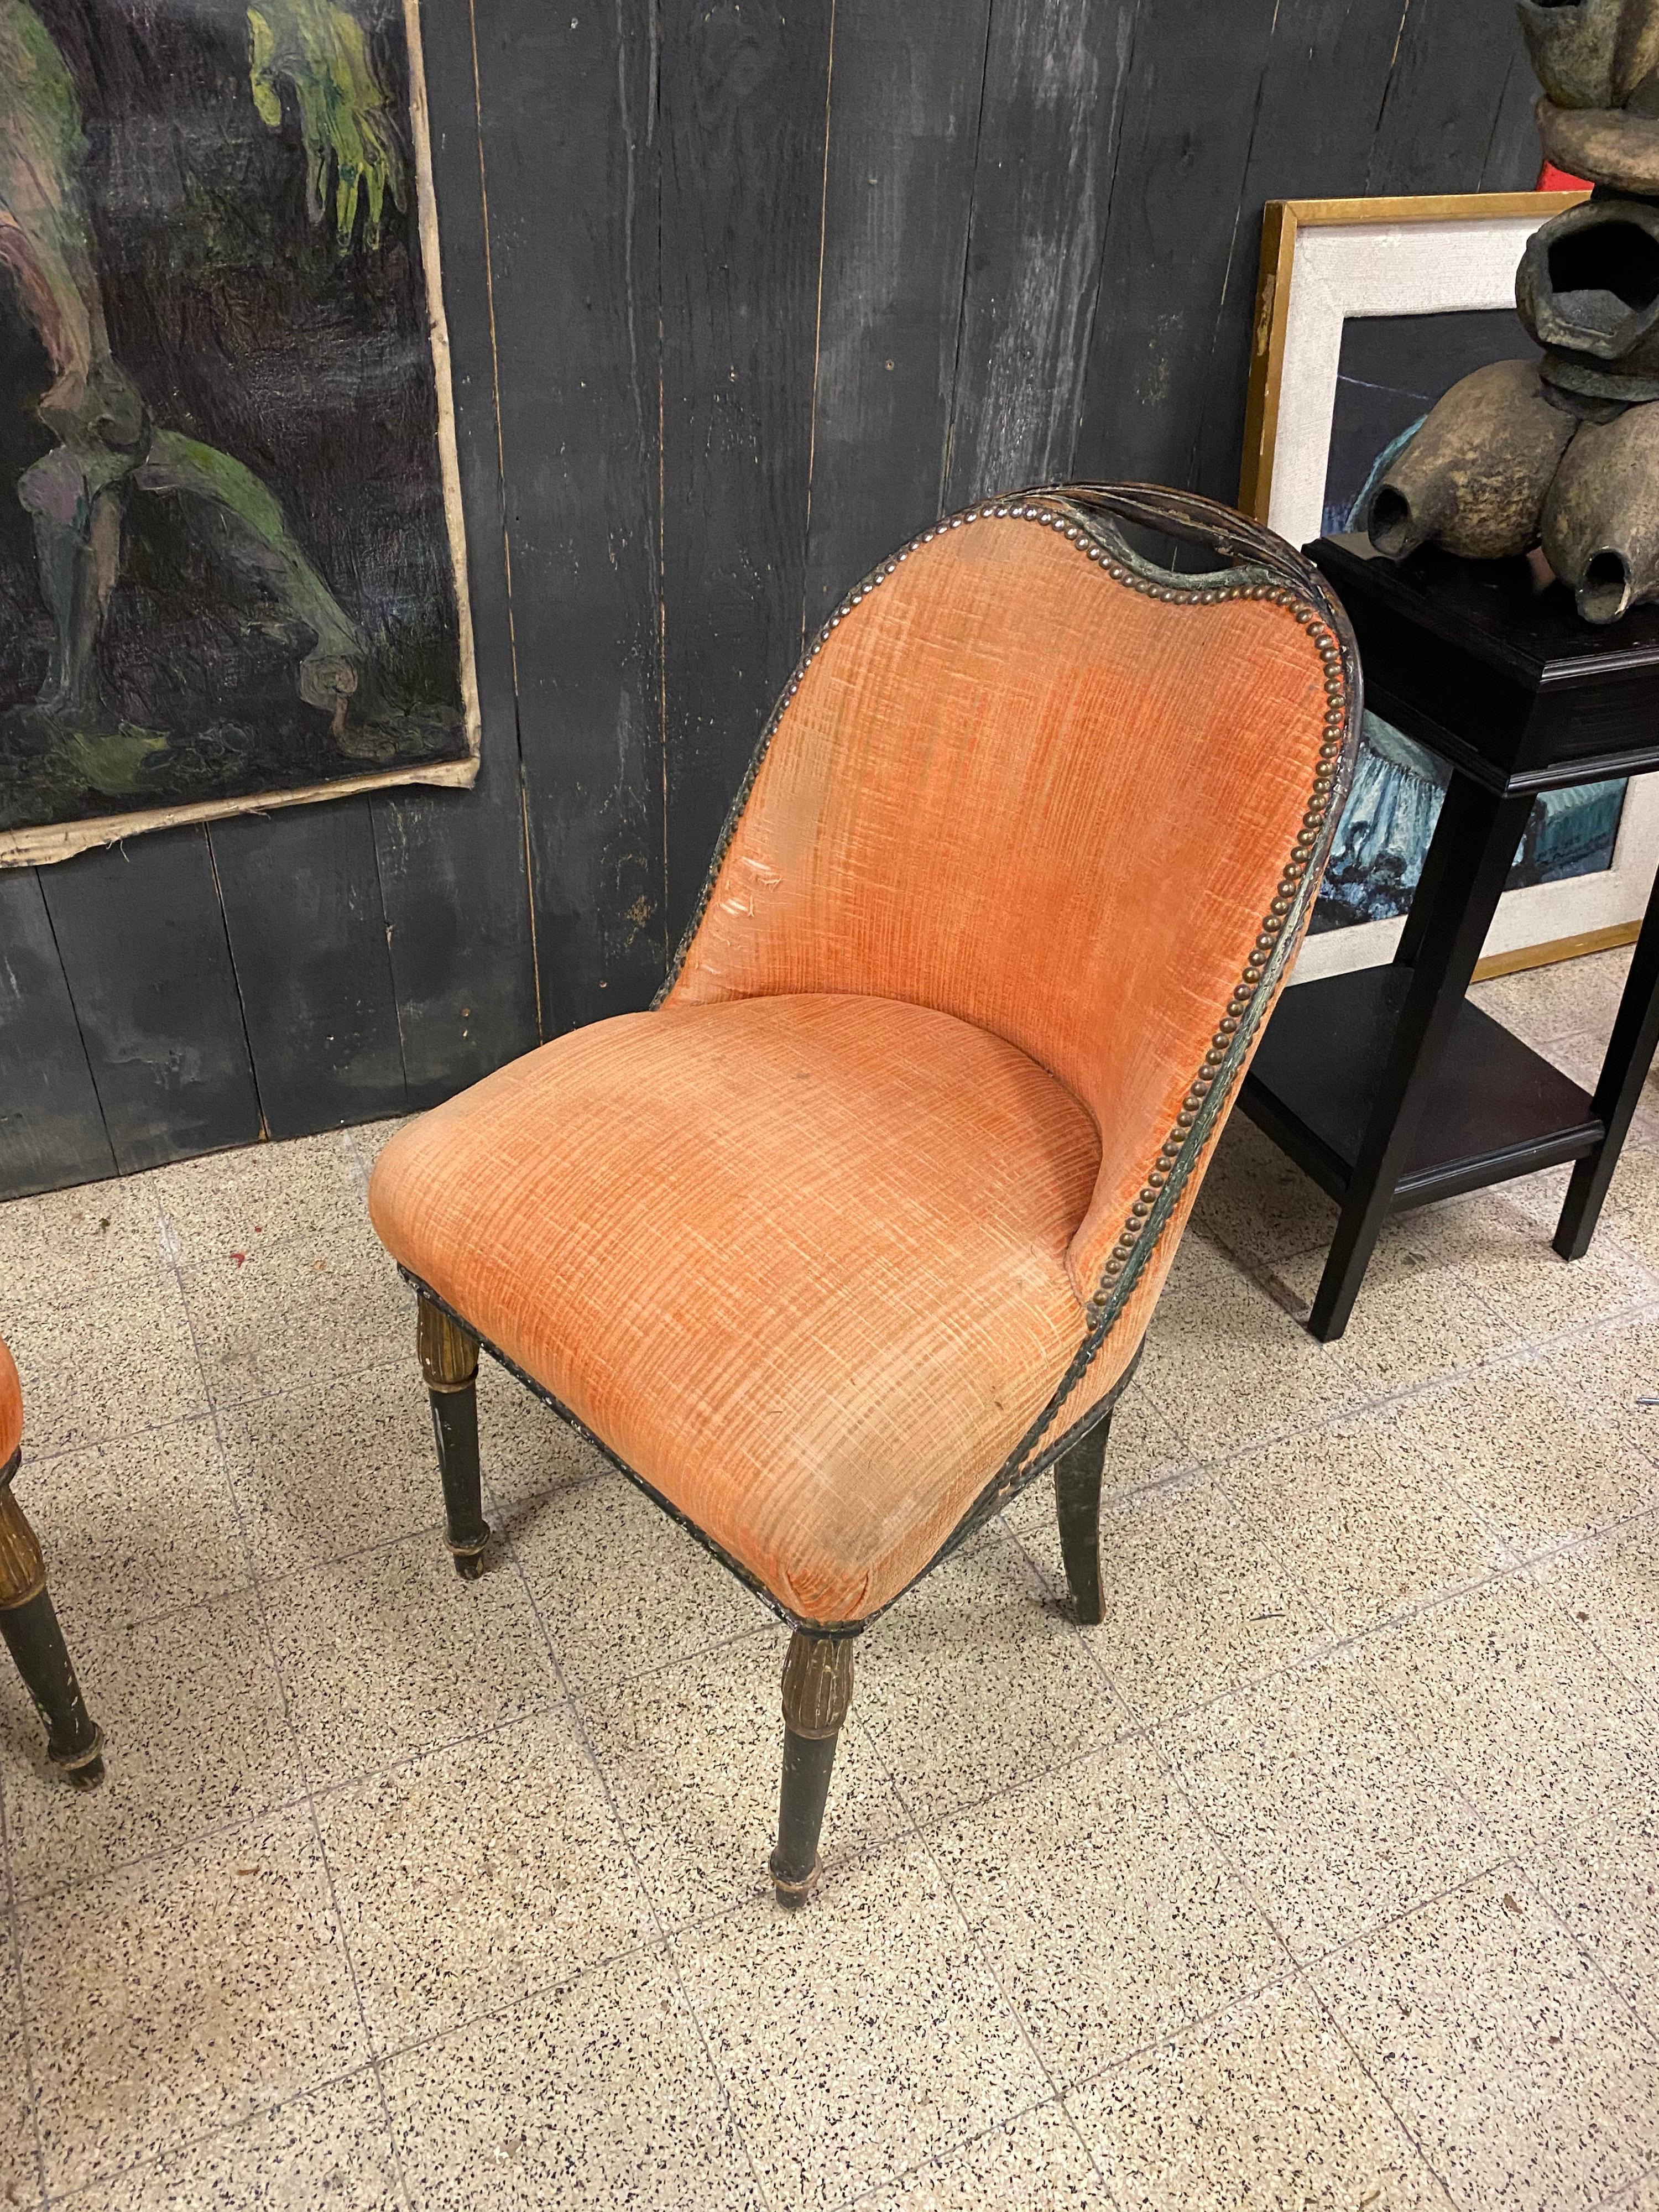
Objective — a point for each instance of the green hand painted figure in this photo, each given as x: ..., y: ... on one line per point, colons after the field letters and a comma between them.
x: 109, y: 448
x: 320, y: 54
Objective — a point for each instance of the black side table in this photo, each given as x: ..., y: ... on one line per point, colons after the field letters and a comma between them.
x: 1386, y: 1086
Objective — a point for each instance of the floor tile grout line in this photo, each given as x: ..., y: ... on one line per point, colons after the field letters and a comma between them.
x: 221, y: 1832
x: 970, y: 1935
x: 173, y: 1251
x: 1131, y: 1727
x: 953, y: 2152
x: 1118, y: 1702
x: 1249, y: 1690
x: 1434, y: 1602
x: 48, y: 1455
x: 1196, y: 2024
x: 1230, y: 1853
x: 1529, y: 1877
x: 646, y: 1891
x: 1446, y: 1385
x: 342, y: 1932
x: 1300, y: 1976
x: 1316, y: 1657
x: 589, y: 1688
x: 300, y: 1749
x: 193, y: 2138
x: 162, y: 1230
x: 1520, y: 1350
x: 1328, y: 2013
x: 84, y: 1629
x: 227, y: 1832
x: 919, y: 1838
x: 1622, y: 2197
x: 563, y: 1703
x: 211, y: 1407
x: 15, y: 1947
x: 1530, y: 1233
x: 1494, y: 1859
x: 1511, y: 1861
x: 659, y: 1943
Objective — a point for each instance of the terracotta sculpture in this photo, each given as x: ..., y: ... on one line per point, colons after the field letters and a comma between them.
x: 1564, y: 453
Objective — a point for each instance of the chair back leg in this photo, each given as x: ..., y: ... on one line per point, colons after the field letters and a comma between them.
x: 817, y: 1688
x: 449, y: 1363
x: 1077, y: 1499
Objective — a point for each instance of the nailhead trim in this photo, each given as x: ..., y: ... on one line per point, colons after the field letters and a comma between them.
x: 1272, y: 924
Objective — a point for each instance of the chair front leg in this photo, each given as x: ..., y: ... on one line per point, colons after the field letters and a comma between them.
x: 1077, y: 1499
x: 33, y: 1636
x: 449, y: 1361
x: 817, y: 1688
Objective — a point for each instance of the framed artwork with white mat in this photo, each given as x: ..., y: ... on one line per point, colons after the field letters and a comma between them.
x: 1367, y: 310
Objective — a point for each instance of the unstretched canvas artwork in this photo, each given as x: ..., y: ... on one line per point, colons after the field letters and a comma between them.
x: 231, y: 569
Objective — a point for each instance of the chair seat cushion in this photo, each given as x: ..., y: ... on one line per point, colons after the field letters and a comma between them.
x: 797, y: 1262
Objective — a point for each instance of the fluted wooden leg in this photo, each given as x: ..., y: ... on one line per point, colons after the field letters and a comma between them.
x: 33, y: 1636
x: 1076, y: 1497
x: 817, y: 1688
x: 449, y: 1361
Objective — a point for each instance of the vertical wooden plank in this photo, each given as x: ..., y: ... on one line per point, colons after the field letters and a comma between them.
x: 1514, y: 155
x: 142, y: 941
x: 571, y: 182
x: 1047, y: 145
x: 1328, y: 68
x: 308, y: 939
x: 457, y: 923
x: 452, y: 863
x: 1455, y: 65
x: 744, y: 85
x: 51, y: 1132
x: 1175, y: 229
x: 904, y: 99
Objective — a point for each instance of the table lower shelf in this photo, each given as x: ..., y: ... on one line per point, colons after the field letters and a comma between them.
x: 1496, y: 1109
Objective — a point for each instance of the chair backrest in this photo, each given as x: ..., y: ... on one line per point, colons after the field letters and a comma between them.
x: 1028, y: 778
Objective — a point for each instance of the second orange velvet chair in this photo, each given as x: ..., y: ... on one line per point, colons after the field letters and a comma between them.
x: 859, y: 1231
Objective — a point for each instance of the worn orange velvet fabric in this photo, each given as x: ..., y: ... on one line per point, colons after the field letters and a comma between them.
x: 810, y: 1248
x: 1047, y: 804
x: 11, y: 1404
x: 798, y: 1262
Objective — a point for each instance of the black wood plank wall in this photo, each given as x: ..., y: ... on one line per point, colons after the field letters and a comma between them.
x: 740, y: 294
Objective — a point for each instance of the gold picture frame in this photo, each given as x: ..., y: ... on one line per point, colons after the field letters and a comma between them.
x: 1282, y: 223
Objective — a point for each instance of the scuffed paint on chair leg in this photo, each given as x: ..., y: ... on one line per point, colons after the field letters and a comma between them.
x: 1076, y: 1497
x: 33, y: 1636
x: 449, y: 1361
x: 817, y: 1688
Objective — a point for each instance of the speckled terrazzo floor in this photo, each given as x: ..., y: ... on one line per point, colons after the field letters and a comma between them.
x: 1326, y: 1874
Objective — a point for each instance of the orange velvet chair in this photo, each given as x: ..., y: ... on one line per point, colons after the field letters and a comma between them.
x: 858, y: 1230
x: 27, y: 1621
